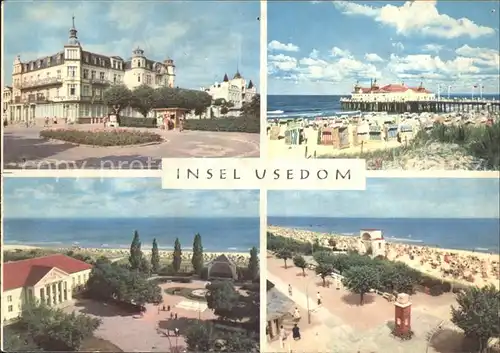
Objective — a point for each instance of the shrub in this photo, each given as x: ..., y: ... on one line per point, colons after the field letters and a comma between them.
x: 436, y: 290
x: 248, y: 124
x: 114, y: 137
x: 137, y: 122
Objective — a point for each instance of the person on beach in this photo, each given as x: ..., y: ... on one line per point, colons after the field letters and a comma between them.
x: 290, y: 290
x: 318, y: 296
x: 46, y: 122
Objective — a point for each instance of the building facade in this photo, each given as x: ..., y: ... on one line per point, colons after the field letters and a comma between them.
x: 69, y: 84
x: 390, y: 93
x: 49, y: 279
x: 236, y: 90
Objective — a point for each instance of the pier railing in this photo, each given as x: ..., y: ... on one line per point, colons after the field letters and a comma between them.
x: 437, y: 105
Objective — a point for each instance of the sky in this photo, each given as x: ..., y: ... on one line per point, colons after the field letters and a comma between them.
x: 119, y: 198
x: 205, y: 39
x: 394, y: 198
x: 325, y: 47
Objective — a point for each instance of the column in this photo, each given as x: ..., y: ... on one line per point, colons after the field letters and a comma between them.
x: 48, y: 293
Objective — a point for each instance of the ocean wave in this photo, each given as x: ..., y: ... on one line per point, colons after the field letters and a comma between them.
x: 481, y: 249
x: 405, y: 240
x: 310, y: 114
x: 275, y: 112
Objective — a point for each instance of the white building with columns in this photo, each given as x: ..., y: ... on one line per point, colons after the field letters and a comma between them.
x: 48, y: 279
x: 69, y: 84
x: 236, y: 90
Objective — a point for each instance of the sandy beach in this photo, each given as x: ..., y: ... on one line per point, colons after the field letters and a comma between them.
x: 237, y: 257
x: 462, y: 266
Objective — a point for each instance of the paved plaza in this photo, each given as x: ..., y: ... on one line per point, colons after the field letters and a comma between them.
x: 341, y: 325
x: 24, y: 149
x: 152, y: 332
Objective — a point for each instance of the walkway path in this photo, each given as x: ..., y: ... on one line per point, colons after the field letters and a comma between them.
x: 24, y: 148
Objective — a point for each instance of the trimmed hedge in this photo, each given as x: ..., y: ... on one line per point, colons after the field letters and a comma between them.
x: 248, y: 124
x: 175, y: 279
x: 185, y: 292
x: 103, y: 138
x: 125, y: 121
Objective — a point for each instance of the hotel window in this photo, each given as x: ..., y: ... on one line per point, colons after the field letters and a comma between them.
x: 72, y: 90
x: 86, y: 58
x: 148, y: 79
x: 114, y: 78
x: 48, y: 74
x: 86, y: 90
x: 101, y: 76
x: 79, y: 279
x: 92, y: 74
x: 139, y: 78
x: 58, y: 73
x: 39, y: 64
x: 85, y: 73
x: 11, y: 308
x: 71, y: 71
x: 9, y: 298
x: 94, y: 60
x: 73, y: 278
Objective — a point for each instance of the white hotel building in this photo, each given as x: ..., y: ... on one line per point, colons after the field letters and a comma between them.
x: 236, y: 90
x: 70, y: 83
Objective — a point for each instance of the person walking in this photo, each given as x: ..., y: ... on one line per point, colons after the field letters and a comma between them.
x: 290, y: 291
x: 296, y: 332
x: 282, y: 337
x: 318, y: 296
x: 296, y: 314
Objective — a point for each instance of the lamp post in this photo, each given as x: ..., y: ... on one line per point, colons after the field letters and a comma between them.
x: 307, y: 300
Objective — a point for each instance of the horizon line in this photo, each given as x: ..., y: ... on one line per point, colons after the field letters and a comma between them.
x: 366, y: 217
x: 128, y: 217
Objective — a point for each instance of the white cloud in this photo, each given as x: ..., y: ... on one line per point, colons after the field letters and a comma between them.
x: 398, y: 46
x: 337, y: 52
x: 417, y: 17
x: 314, y: 54
x: 278, y: 46
x: 481, y: 56
x: 342, y: 67
x: 282, y: 62
x: 372, y: 57
x: 433, y: 48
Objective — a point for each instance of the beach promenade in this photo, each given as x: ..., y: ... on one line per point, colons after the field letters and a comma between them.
x: 459, y: 266
x: 341, y: 325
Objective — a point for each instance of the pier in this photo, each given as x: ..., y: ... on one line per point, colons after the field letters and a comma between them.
x: 431, y: 106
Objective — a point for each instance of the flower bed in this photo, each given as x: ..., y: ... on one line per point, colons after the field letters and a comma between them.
x: 186, y: 293
x: 103, y: 137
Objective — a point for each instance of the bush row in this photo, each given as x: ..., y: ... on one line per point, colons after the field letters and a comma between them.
x: 394, y: 276
x: 248, y: 124
x: 125, y: 121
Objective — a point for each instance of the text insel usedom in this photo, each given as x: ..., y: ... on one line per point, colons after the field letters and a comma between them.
x: 262, y: 174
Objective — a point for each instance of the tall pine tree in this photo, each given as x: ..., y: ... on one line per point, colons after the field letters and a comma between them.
x: 135, y: 252
x: 197, y: 259
x: 155, y: 257
x: 177, y: 260
x: 253, y: 264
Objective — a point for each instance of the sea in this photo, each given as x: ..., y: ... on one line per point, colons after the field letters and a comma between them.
x: 482, y: 235
x: 218, y: 234
x: 309, y: 106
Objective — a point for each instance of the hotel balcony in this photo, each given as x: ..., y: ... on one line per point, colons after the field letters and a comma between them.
x: 98, y: 81
x: 51, y: 81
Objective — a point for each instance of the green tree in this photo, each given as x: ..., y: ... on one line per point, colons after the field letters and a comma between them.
x: 113, y: 282
x: 360, y: 279
x: 177, y: 256
x: 118, y: 97
x: 135, y: 252
x: 284, y: 254
x: 253, y: 264
x: 478, y: 314
x: 54, y: 330
x: 323, y: 270
x: 200, y: 337
x: 252, y: 108
x: 240, y: 342
x: 155, y: 257
x: 143, y: 99
x: 224, y: 300
x: 300, y: 262
x: 197, y: 257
